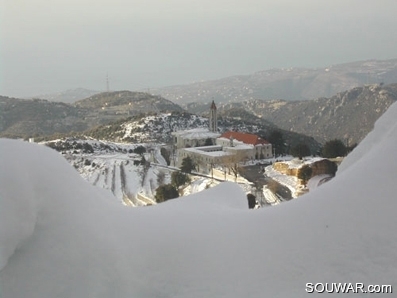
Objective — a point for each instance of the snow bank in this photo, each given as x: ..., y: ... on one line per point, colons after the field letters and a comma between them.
x: 71, y: 240
x: 375, y: 142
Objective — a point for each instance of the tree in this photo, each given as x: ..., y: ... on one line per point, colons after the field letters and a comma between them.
x: 276, y: 138
x: 144, y: 170
x: 232, y: 162
x: 87, y: 148
x: 187, y: 165
x: 208, y: 142
x: 300, y: 150
x: 196, y: 162
x: 160, y: 177
x: 179, y: 178
x: 305, y: 173
x: 166, y: 192
x: 140, y: 150
x: 334, y: 148
x: 166, y: 154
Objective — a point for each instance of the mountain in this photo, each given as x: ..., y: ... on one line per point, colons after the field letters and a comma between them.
x: 68, y: 96
x: 27, y: 118
x: 158, y: 128
x: 128, y: 102
x: 121, y: 116
x: 349, y: 115
x: 38, y: 117
x: 288, y: 84
x: 62, y: 237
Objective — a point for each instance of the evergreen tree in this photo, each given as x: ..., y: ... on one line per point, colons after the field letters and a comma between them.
x: 179, y: 178
x: 165, y: 153
x: 276, y: 138
x: 187, y: 165
x: 208, y: 142
x: 334, y: 148
x: 300, y: 150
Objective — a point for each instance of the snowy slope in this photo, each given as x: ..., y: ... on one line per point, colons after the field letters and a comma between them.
x: 62, y: 237
x: 118, y: 173
x: 115, y: 166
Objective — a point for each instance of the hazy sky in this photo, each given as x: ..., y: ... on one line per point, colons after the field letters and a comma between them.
x: 55, y: 45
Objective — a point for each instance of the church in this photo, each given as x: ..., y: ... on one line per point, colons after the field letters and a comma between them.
x: 198, y: 137
x: 208, y: 147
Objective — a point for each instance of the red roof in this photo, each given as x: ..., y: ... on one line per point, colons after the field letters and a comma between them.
x: 246, y: 138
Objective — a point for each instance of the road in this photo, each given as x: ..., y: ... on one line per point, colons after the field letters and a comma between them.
x: 255, y: 174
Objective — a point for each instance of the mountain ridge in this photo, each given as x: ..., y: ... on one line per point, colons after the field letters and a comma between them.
x: 348, y: 115
x: 38, y: 117
x: 285, y: 83
x: 68, y: 96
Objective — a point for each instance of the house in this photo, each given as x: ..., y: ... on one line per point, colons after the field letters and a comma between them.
x: 263, y: 149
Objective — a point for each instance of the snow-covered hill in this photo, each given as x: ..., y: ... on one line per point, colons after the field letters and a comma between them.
x: 62, y: 237
x: 158, y: 128
x: 149, y: 128
x: 131, y: 177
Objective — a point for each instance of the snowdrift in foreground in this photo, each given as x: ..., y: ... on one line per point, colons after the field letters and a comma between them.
x: 62, y: 237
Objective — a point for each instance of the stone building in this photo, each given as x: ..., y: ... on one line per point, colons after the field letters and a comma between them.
x: 207, y: 147
x: 262, y: 148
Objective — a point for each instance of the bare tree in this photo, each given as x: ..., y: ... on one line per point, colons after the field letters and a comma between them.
x: 232, y: 162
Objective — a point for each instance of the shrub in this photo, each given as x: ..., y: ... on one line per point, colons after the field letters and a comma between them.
x: 166, y: 192
x: 305, y: 173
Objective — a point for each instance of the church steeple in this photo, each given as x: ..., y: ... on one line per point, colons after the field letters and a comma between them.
x: 213, y: 120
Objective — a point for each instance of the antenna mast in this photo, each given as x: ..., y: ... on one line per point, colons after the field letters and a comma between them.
x: 107, y: 82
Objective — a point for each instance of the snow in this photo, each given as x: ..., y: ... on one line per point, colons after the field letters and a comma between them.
x: 62, y: 237
x: 318, y: 180
x: 197, y: 133
x: 289, y: 181
x: 198, y: 185
x: 117, y: 173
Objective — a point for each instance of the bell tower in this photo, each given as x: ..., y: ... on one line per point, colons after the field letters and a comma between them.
x: 213, y: 120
